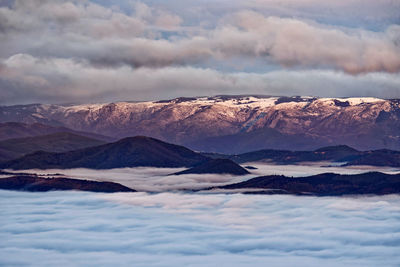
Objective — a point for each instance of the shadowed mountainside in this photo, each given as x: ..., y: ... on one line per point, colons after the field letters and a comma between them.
x: 254, y: 140
x: 12, y: 130
x: 57, y: 142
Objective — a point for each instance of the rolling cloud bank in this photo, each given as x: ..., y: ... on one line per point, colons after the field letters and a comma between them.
x: 80, y: 51
x: 71, y: 228
x: 151, y: 179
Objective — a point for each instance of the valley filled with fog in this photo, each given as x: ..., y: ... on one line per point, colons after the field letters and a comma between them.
x: 152, y: 179
x: 175, y: 229
x: 197, y: 229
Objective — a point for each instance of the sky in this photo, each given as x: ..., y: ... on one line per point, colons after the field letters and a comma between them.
x: 172, y: 229
x: 55, y: 51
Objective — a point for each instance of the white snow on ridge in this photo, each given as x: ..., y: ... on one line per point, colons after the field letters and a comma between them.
x: 361, y: 100
x: 353, y: 101
x: 245, y: 101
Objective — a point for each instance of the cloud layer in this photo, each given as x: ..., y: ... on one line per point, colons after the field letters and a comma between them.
x: 151, y: 179
x: 81, y: 50
x: 70, y: 228
x: 26, y: 79
x: 106, y: 37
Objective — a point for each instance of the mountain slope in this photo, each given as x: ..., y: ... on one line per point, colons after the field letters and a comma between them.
x: 233, y: 124
x: 249, y: 141
x: 57, y: 142
x: 128, y: 152
x: 11, y: 130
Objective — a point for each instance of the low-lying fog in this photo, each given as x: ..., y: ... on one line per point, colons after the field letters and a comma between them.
x: 175, y: 229
x: 158, y: 179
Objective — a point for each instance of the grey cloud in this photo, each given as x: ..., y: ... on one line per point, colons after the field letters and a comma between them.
x: 161, y: 180
x: 292, y: 42
x: 108, y: 37
x: 26, y: 79
x: 81, y: 51
x: 355, y: 13
x: 287, y: 42
x: 71, y: 228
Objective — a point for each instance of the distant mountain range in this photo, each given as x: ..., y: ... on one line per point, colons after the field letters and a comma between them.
x: 326, y: 184
x: 231, y: 124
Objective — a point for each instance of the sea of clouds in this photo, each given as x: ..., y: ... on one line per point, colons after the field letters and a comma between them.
x: 151, y: 179
x: 164, y: 227
x: 176, y: 229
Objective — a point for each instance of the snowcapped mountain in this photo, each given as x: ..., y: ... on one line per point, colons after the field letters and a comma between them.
x: 232, y: 124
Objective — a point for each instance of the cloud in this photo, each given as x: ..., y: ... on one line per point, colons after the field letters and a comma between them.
x: 292, y: 42
x: 110, y: 37
x: 138, y: 178
x: 354, y: 13
x: 160, y: 181
x: 56, y: 51
x: 71, y: 228
x: 27, y: 79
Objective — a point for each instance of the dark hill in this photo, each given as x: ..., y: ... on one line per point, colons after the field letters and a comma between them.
x: 57, y: 142
x: 128, y: 152
x: 38, y: 184
x: 216, y: 166
x: 326, y: 184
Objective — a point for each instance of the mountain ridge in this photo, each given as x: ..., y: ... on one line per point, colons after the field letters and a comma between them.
x: 202, y: 123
